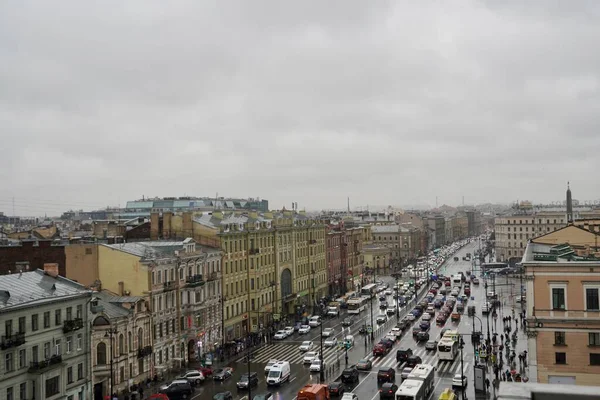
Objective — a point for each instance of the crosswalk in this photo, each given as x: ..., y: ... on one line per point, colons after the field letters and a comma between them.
x: 287, y: 352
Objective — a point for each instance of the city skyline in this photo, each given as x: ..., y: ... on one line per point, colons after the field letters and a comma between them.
x: 392, y: 103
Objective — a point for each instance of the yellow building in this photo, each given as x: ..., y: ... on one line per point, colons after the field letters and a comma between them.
x: 378, y: 257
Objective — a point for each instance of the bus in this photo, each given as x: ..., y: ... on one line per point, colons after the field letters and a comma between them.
x: 493, y: 266
x: 412, y: 389
x: 447, y: 349
x: 369, y: 290
x: 357, y: 305
x: 424, y: 373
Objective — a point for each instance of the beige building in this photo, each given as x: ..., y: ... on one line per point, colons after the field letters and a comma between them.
x: 562, y: 272
x: 377, y: 257
x: 404, y: 242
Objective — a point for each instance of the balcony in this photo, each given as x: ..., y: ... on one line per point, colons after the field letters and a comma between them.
x: 213, y: 276
x: 194, y: 280
x: 14, y: 340
x: 144, y: 352
x: 168, y: 286
x: 253, y: 252
x: 41, y: 366
x: 72, y: 325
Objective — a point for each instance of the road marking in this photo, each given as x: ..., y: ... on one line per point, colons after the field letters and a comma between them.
x: 292, y: 380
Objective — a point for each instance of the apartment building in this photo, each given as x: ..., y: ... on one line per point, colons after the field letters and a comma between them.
x: 120, y: 335
x: 403, y: 242
x: 336, y: 275
x: 45, y: 342
x: 562, y: 271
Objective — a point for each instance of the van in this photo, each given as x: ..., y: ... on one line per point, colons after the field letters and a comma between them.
x: 314, y: 321
x: 279, y: 373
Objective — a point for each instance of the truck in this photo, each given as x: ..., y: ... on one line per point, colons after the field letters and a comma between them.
x: 313, y: 392
x: 333, y: 309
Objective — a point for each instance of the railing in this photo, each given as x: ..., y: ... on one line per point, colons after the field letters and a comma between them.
x: 37, y: 366
x: 14, y: 340
x: 169, y: 285
x: 72, y: 325
x: 144, y: 352
x: 195, y: 280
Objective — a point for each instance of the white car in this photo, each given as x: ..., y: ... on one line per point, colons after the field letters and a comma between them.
x: 456, y: 381
x: 280, y: 335
x: 349, y: 396
x: 396, y: 332
x: 270, y: 363
x: 304, y: 329
x: 315, y: 366
x: 388, y: 292
x: 328, y: 332
x: 289, y: 330
x: 410, y: 317
x: 426, y: 317
x: 330, y: 342
x: 306, y: 346
x: 310, y: 357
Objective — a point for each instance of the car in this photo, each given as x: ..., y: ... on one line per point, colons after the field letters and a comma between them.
x: 455, y: 317
x: 306, y: 346
x: 388, y: 390
x: 193, y: 376
x: 349, y: 396
x: 457, y: 382
x: 336, y: 388
x: 405, y: 372
x: 431, y: 310
x: 289, y: 330
x: 280, y: 335
x: 270, y: 363
x: 309, y: 357
x: 364, y: 364
x: 328, y: 332
x: 422, y: 336
x: 382, y: 297
x: 248, y: 380
x: 388, y: 292
x: 413, y: 361
x: 304, y: 329
x: 315, y: 366
x: 396, y: 331
x: 380, y: 350
x: 263, y: 396
x: 222, y: 374
x: 431, y: 345
x: 424, y: 325
x: 347, y: 321
x: 224, y: 396
x: 381, y: 319
x: 411, y: 317
x: 416, y: 330
x: 330, y: 342
x: 426, y: 317
x: 390, y: 311
x: 386, y: 375
x: 485, y: 309
x: 349, y: 339
x: 383, y: 305
x: 177, y: 388
x: 350, y: 374
x: 475, y: 281
x: 206, y: 371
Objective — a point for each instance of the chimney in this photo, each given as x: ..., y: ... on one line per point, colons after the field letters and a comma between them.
x: 154, y: 230
x: 121, y: 288
x: 166, y: 231
x: 51, y: 269
x: 188, y: 227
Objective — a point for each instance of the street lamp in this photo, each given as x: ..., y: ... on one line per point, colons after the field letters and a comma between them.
x: 397, y: 276
x: 461, y: 345
x: 109, y: 335
x: 322, y: 367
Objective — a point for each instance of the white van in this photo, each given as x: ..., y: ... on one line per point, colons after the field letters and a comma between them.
x: 279, y: 373
x: 314, y: 321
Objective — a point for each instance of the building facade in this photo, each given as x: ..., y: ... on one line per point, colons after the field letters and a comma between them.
x: 33, y: 252
x: 45, y: 342
x: 563, y: 307
x: 121, y: 343
x: 336, y: 275
x: 404, y: 242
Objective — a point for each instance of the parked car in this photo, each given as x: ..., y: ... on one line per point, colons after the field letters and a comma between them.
x: 289, y: 330
x: 222, y: 374
x: 206, y: 371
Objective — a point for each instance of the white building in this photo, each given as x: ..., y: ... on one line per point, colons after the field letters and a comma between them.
x: 45, y: 342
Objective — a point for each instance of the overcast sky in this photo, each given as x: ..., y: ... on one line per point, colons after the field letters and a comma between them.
x: 387, y: 102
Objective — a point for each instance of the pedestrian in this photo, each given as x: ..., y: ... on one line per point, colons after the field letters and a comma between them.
x: 487, y: 383
x: 501, y: 338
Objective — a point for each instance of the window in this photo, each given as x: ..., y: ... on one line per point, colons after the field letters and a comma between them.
x: 592, y: 301
x: 558, y: 298
x: 57, y: 317
x: 69, y: 344
x: 79, y: 371
x: 52, y: 386
x: 22, y: 358
x: 47, y: 319
x: 69, y: 313
x: 69, y: 375
x: 23, y: 391
x: 10, y: 394
x: 594, y: 338
x: 22, y: 325
x: 8, y: 330
x: 559, y: 339
x: 9, y: 364
x: 79, y: 341
x: 34, y: 322
x: 46, y: 350
x: 57, y: 347
x: 34, y: 354
x: 560, y: 358
x: 594, y: 359
x: 101, y: 354
x: 79, y: 311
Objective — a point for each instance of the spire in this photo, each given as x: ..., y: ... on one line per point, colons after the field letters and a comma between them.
x: 569, y: 205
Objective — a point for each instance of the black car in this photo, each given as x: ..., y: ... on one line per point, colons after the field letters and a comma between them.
x: 350, y: 374
x: 422, y: 336
x: 403, y: 354
x: 336, y: 388
x: 178, y: 389
x: 382, y: 297
x: 412, y: 361
x: 222, y: 374
x: 383, y: 305
x: 223, y: 396
x: 416, y: 330
x: 386, y: 375
x: 388, y: 390
x: 248, y: 381
x: 347, y: 321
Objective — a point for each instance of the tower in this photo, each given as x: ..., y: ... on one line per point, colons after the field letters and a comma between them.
x: 569, y: 205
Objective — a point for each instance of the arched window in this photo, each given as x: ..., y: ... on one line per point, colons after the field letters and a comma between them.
x: 101, y: 354
x: 129, y: 340
x: 140, y: 338
x: 121, y: 344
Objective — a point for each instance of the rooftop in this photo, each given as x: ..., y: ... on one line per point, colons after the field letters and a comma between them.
x: 157, y: 248
x: 33, y: 288
x: 113, y: 305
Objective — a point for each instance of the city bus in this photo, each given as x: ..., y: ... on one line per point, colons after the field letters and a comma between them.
x: 493, y: 266
x: 357, y: 305
x: 369, y: 290
x: 447, y: 349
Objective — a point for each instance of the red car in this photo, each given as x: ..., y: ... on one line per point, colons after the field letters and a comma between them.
x: 206, y: 371
x: 380, y: 350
